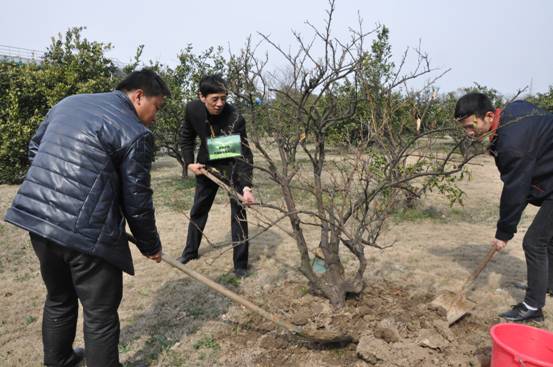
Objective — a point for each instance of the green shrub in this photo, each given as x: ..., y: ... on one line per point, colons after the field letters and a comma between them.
x: 71, y: 65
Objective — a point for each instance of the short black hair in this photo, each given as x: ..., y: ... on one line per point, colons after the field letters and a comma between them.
x: 147, y: 80
x: 212, y: 84
x: 473, y: 104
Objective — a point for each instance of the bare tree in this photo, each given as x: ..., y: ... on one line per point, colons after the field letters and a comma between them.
x: 336, y: 135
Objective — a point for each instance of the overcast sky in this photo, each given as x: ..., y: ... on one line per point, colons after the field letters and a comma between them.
x: 503, y: 44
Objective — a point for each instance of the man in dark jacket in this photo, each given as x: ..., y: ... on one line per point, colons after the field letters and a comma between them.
x: 223, y: 146
x: 90, y: 170
x: 522, y: 143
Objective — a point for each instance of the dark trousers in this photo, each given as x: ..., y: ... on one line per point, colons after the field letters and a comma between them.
x: 538, y: 249
x: 206, y: 191
x: 70, y: 276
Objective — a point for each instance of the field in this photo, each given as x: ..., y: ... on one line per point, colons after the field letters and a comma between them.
x: 168, y: 319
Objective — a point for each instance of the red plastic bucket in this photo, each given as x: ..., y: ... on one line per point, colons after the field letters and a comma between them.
x: 516, y: 345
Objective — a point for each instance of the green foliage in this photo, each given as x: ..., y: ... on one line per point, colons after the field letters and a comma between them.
x: 416, y: 214
x: 229, y: 279
x: 74, y: 65
x: 543, y: 100
x: 497, y: 99
x: 447, y: 187
x: 30, y: 319
x: 207, y: 342
x: 183, y: 83
x: 22, y: 107
x: 71, y: 65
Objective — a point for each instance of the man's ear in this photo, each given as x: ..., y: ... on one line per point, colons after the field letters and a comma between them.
x: 136, y: 96
x: 490, y: 115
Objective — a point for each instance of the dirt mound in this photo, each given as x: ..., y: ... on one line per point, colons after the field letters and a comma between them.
x: 391, y: 325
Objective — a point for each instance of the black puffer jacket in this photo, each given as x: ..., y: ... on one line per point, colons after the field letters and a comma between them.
x: 90, y: 169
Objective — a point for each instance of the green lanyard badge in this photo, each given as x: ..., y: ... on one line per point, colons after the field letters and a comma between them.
x: 227, y: 146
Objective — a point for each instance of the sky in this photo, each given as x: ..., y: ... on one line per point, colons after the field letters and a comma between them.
x: 503, y: 44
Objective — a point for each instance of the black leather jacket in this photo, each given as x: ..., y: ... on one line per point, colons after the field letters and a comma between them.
x: 90, y: 169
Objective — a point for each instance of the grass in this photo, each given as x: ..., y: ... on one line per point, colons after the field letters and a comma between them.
x: 24, y: 277
x: 206, y: 342
x: 155, y: 346
x: 418, y: 214
x: 163, y: 342
x: 196, y: 311
x: 173, y: 358
x: 30, y: 319
x: 229, y: 279
x: 484, y: 214
x: 173, y: 192
x: 124, y: 348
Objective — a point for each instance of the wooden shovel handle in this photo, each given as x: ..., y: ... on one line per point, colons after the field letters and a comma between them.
x: 226, y: 292
x: 230, y: 294
x: 220, y: 182
x: 480, y: 267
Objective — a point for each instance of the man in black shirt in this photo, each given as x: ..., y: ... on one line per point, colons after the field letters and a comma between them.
x: 223, y: 146
x: 521, y: 138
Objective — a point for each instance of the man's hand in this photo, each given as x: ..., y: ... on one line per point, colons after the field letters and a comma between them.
x: 499, y: 245
x: 156, y: 257
x: 196, y: 168
x: 247, y: 196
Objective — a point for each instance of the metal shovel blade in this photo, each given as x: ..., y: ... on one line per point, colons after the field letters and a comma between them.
x: 454, y: 305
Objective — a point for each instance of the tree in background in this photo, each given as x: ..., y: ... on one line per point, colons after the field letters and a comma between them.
x: 22, y: 108
x: 183, y: 82
x: 543, y: 100
x: 74, y: 65
x: 71, y: 65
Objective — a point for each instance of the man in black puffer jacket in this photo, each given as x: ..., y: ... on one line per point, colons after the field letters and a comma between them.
x: 522, y: 143
x: 224, y: 146
x: 90, y: 170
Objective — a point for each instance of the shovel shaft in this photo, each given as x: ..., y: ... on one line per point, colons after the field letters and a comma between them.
x: 472, y: 277
x: 229, y: 294
x: 220, y: 182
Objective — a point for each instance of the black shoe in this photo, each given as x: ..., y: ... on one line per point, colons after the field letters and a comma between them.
x: 521, y: 313
x: 77, y: 359
x: 550, y: 292
x: 185, y: 259
x: 241, y: 273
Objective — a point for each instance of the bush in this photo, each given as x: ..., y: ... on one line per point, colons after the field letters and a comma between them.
x: 543, y: 100
x: 22, y: 107
x: 27, y: 91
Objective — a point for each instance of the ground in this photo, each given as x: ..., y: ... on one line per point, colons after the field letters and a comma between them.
x: 168, y: 319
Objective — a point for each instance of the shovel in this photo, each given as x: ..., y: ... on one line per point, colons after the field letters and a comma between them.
x: 318, y: 336
x: 455, y: 304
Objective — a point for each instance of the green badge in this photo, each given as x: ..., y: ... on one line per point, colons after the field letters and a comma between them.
x: 227, y: 146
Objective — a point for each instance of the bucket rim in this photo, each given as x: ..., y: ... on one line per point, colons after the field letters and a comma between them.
x: 525, y: 357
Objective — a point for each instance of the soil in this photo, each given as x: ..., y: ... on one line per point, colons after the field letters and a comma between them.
x: 168, y: 319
